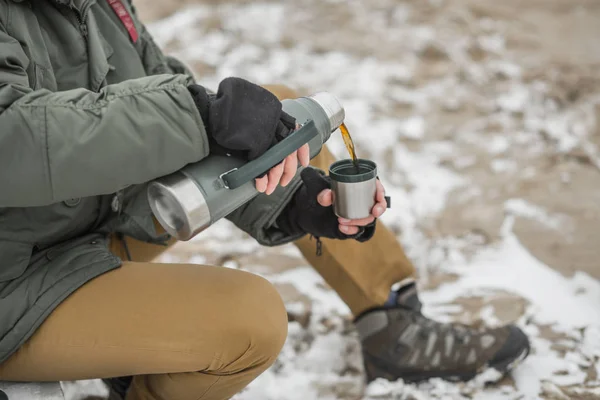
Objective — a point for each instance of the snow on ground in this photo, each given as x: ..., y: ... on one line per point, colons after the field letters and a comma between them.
x: 478, y: 139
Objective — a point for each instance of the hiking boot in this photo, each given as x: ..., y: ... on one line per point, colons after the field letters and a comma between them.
x: 398, y: 342
x: 118, y: 387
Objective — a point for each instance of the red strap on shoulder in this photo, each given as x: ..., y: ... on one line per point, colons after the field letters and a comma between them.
x: 125, y: 17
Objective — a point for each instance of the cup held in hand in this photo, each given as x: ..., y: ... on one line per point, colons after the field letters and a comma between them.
x: 353, y: 190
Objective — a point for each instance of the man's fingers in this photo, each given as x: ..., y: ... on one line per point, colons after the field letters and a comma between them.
x: 261, y: 184
x: 348, y: 230
x: 283, y: 173
x: 381, y: 206
x: 325, y: 198
x: 304, y: 155
x: 380, y: 195
x: 274, y: 177
x: 356, y: 222
x: 379, y: 209
x: 290, y: 168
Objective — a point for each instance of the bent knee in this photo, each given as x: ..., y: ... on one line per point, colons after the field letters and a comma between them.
x: 256, y: 327
x: 268, y: 331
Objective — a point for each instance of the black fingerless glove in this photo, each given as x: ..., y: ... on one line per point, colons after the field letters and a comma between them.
x: 242, y: 118
x: 304, y: 214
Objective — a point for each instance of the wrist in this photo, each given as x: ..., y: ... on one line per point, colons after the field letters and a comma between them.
x: 202, y: 101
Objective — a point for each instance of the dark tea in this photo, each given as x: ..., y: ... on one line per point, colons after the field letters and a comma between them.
x: 350, y: 146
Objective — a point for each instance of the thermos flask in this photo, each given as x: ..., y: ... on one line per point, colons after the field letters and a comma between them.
x: 190, y: 200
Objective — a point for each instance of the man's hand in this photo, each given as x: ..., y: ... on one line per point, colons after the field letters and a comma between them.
x: 283, y: 173
x: 353, y: 226
x: 311, y: 211
x: 246, y: 120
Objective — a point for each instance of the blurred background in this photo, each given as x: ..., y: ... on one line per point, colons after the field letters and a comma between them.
x: 483, y: 118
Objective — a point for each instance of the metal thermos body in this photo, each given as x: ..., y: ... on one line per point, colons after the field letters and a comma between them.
x: 190, y: 200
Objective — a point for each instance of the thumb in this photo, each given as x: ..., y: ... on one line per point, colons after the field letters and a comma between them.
x: 325, y: 198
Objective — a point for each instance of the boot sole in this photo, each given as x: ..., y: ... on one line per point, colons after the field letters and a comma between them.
x: 379, y: 369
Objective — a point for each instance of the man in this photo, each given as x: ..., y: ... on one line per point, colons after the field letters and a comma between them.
x: 90, y: 111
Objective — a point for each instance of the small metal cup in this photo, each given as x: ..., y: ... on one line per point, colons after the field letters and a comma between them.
x: 353, y: 191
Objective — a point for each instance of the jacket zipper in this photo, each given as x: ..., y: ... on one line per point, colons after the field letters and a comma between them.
x: 80, y: 16
x: 82, y: 26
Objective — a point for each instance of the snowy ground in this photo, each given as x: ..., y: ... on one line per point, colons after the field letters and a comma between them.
x: 483, y: 120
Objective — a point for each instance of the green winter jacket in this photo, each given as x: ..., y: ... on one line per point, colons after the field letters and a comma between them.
x: 89, y: 112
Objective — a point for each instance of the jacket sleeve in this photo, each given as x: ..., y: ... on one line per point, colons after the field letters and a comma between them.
x: 77, y: 143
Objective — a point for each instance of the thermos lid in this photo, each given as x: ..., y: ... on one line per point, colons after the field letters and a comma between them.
x: 332, y: 107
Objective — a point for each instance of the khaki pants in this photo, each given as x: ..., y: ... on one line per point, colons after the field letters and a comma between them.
x: 191, y: 332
